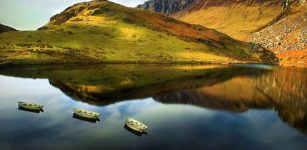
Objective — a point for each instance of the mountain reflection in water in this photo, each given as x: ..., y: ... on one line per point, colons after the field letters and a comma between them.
x: 235, y: 89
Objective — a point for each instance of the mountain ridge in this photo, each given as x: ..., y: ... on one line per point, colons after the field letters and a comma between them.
x: 255, y: 21
x: 171, y: 7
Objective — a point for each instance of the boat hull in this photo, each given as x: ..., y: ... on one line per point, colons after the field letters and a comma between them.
x: 135, y: 125
x: 30, y: 106
x: 86, y: 114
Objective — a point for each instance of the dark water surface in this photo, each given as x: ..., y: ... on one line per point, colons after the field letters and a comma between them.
x: 185, y: 107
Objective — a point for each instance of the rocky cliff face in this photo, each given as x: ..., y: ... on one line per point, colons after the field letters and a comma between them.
x: 167, y: 7
x: 4, y: 28
x: 170, y: 7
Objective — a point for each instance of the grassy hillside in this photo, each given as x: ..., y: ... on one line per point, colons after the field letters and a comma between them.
x: 4, y: 28
x: 101, y: 31
x: 264, y: 23
x: 237, y: 19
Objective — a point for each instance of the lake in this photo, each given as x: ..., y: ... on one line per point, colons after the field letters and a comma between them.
x: 185, y: 107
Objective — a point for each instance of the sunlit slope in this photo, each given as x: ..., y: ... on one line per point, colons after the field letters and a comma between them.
x: 234, y: 18
x: 101, y: 31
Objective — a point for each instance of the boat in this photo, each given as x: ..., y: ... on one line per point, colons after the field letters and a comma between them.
x: 30, y: 106
x: 137, y: 133
x: 86, y: 114
x: 135, y: 125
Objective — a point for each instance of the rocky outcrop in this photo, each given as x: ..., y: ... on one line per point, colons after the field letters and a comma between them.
x: 4, y: 28
x: 286, y: 36
x: 171, y: 7
x: 167, y: 7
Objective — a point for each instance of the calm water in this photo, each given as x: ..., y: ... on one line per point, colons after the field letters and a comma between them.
x: 185, y: 107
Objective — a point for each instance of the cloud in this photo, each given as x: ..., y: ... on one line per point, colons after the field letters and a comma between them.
x: 129, y: 3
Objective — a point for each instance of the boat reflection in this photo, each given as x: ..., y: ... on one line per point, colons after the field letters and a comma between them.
x: 135, y: 132
x: 30, y: 110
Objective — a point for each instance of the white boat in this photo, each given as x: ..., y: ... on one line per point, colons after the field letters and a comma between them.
x: 135, y: 125
x: 30, y: 106
x: 86, y: 114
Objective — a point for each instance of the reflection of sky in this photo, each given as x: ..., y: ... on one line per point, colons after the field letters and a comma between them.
x: 171, y: 126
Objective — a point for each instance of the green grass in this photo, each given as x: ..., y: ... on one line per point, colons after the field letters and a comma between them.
x: 113, y: 33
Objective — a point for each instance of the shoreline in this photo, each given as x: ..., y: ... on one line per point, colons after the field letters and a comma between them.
x: 8, y: 64
x: 13, y: 64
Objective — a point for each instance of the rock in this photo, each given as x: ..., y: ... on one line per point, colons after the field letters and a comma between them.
x: 278, y: 38
x: 257, y: 34
x: 167, y: 7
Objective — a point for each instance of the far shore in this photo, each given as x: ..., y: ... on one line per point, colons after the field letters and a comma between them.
x: 8, y: 64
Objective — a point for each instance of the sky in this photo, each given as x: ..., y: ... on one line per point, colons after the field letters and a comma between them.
x: 32, y: 14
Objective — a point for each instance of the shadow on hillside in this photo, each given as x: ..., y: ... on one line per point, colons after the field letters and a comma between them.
x: 265, y: 56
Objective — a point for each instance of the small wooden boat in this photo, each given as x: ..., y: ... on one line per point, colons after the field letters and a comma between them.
x: 137, y: 133
x: 135, y: 125
x: 30, y: 106
x: 86, y: 114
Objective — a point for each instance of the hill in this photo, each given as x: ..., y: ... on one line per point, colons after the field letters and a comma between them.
x: 275, y: 25
x: 102, y: 31
x: 4, y: 28
x: 236, y: 18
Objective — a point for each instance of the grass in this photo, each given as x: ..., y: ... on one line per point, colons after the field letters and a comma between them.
x: 237, y: 20
x: 108, y: 32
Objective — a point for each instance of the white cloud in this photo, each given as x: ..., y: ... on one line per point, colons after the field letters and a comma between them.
x: 129, y: 3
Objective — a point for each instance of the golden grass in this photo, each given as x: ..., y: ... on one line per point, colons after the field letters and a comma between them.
x: 237, y: 20
x: 198, y: 56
